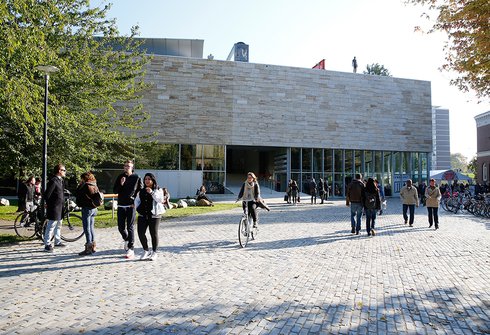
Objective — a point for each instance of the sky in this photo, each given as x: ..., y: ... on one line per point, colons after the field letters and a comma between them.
x: 301, y: 33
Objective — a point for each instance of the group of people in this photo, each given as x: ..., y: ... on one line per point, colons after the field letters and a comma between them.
x: 367, y: 198
x: 313, y: 188
x: 135, y: 195
x: 363, y: 197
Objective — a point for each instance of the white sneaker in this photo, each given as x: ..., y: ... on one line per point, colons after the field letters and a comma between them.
x: 130, y: 253
x: 146, y: 255
x: 126, y: 245
x: 153, y: 256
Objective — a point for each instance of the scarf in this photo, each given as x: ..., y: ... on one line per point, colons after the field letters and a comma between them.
x: 248, y: 191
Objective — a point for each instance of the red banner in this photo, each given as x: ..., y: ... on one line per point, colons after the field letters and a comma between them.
x: 320, y: 65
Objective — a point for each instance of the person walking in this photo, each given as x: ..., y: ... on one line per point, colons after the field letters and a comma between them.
x: 410, y: 199
x: 294, y: 191
x: 355, y: 198
x: 321, y: 190
x: 88, y: 198
x: 432, y: 200
x: 127, y: 186
x: 372, y: 203
x: 149, y: 205
x: 313, y: 190
x: 54, y: 198
x: 381, y: 195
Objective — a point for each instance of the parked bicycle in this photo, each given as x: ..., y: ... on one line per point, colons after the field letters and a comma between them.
x: 30, y: 224
x: 246, y: 231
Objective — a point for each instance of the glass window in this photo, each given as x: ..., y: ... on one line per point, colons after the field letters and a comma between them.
x: 214, y: 182
x: 349, y: 163
x: 378, y: 161
x: 296, y: 160
x: 327, y: 160
x: 338, y: 160
x: 187, y: 157
x: 307, y: 164
x: 317, y: 161
x: 358, y: 168
x: 484, y: 172
x: 338, y: 185
x: 368, y: 163
x: 214, y: 157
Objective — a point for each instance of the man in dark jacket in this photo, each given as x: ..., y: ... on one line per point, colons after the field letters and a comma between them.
x: 54, y: 208
x: 355, y: 198
x: 127, y: 186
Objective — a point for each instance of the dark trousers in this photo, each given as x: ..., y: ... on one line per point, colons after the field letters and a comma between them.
x: 143, y: 224
x: 433, y: 216
x: 412, y: 213
x: 252, y: 209
x: 370, y: 219
x: 125, y: 224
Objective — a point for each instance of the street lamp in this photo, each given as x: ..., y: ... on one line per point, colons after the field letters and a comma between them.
x: 46, y: 69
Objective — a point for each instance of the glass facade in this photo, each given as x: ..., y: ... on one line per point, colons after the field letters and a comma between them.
x: 337, y: 166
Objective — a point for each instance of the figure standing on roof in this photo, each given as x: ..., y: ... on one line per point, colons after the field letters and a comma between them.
x: 354, y: 65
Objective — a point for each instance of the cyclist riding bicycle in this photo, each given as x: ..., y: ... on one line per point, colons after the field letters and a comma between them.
x: 250, y: 196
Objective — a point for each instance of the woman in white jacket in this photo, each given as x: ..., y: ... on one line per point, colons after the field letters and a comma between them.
x: 150, y: 208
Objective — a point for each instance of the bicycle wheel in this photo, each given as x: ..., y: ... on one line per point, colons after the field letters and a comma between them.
x: 72, y: 229
x: 24, y: 227
x: 243, y: 232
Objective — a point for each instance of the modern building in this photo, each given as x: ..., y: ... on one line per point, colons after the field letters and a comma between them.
x: 225, y: 118
x: 441, y: 145
x: 483, y: 148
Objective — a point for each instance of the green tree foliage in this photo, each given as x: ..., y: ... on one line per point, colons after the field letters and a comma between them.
x: 84, y: 121
x: 377, y: 69
x: 467, y: 24
x: 472, y: 166
x: 459, y: 162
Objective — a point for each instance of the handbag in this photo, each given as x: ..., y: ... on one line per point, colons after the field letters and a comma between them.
x: 298, y: 199
x: 286, y: 197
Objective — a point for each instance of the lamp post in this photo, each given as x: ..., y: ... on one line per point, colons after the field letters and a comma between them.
x: 46, y: 69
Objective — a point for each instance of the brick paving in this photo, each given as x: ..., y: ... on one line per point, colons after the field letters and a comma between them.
x: 305, y: 274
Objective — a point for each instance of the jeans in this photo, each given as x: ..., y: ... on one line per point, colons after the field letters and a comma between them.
x: 88, y: 220
x: 143, y: 224
x: 412, y: 211
x: 355, y: 211
x: 125, y: 224
x: 433, y: 217
x: 370, y: 219
x: 48, y: 234
x: 252, y: 209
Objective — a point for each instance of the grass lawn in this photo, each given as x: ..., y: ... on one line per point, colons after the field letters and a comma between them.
x: 104, y: 217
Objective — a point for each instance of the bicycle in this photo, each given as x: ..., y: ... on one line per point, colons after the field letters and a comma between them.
x: 30, y: 224
x: 246, y: 229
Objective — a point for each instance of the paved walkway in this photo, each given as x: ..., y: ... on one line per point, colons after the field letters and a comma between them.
x: 305, y: 274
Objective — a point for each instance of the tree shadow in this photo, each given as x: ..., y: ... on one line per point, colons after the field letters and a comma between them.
x: 435, y: 311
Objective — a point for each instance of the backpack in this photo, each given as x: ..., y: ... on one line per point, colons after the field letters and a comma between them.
x: 98, y: 198
x: 370, y: 200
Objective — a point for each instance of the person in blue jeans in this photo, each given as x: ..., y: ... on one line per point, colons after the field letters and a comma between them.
x: 127, y: 186
x: 355, y: 198
x: 88, y: 199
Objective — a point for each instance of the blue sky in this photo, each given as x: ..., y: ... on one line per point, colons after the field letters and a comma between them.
x: 301, y: 33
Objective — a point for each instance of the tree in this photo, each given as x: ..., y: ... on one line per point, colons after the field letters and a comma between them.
x: 84, y: 122
x: 472, y: 166
x: 467, y: 24
x: 459, y: 162
x: 377, y: 69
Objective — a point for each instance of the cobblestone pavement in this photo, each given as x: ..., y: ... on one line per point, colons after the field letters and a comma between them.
x: 304, y: 274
